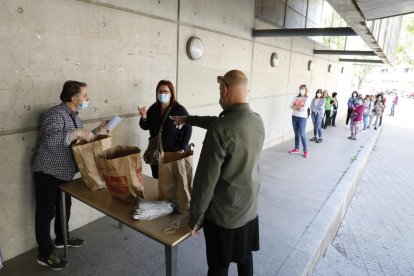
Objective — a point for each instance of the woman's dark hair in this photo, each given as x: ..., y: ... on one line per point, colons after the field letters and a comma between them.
x: 173, y: 100
x: 70, y: 89
x: 334, y: 94
x: 378, y: 97
x: 355, y: 92
x: 318, y: 91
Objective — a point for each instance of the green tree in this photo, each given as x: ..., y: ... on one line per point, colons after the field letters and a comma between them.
x: 334, y: 42
x: 359, y: 73
x: 405, y: 49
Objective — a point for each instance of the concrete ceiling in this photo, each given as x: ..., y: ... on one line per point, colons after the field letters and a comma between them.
x: 353, y: 12
x: 375, y: 9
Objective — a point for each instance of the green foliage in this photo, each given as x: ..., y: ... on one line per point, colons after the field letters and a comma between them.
x: 405, y: 49
x: 359, y: 72
x: 335, y: 42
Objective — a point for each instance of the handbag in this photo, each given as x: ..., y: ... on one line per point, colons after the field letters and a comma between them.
x: 153, y: 152
x: 299, y: 102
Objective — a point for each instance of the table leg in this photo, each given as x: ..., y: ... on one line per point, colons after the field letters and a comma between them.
x: 63, y: 217
x: 170, y: 260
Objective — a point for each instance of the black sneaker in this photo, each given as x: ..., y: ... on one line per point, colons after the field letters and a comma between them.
x: 53, y: 262
x: 319, y: 140
x: 72, y: 242
x: 313, y: 139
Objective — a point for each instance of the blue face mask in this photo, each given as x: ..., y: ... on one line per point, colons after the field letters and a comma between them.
x: 164, y: 98
x: 84, y: 105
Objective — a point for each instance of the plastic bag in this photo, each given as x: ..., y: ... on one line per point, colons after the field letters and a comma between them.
x: 148, y: 209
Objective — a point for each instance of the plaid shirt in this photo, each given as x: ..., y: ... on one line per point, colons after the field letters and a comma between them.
x: 54, y: 155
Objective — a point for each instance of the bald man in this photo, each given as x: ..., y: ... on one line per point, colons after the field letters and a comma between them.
x: 225, y: 194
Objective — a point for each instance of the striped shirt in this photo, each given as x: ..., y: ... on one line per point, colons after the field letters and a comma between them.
x: 54, y: 154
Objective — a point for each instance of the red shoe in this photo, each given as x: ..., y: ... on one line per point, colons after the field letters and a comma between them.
x: 305, y: 154
x: 294, y: 151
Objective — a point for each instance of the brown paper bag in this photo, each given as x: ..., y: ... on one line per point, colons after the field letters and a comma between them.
x: 85, y: 156
x: 175, y: 178
x: 121, y: 168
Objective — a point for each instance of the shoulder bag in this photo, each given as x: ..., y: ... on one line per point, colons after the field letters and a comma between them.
x: 154, y: 149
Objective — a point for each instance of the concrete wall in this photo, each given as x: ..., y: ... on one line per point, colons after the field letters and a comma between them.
x: 122, y: 49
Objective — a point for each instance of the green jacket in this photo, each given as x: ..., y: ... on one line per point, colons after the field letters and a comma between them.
x: 226, y: 182
x: 328, y: 105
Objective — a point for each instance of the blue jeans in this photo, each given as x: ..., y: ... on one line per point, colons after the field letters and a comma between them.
x: 299, y: 126
x: 317, y: 124
x: 366, y: 122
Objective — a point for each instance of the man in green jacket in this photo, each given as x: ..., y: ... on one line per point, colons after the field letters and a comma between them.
x: 225, y: 194
x: 328, y: 105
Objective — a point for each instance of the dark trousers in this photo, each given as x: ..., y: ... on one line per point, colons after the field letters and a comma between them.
x: 333, y: 123
x: 218, y: 265
x: 48, y: 207
x: 327, y: 121
x: 216, y: 268
x: 348, y: 116
x: 154, y: 170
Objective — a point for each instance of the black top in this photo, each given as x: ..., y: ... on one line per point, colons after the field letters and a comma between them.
x: 173, y: 139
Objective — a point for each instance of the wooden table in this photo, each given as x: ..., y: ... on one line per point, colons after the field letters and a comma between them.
x: 104, y: 202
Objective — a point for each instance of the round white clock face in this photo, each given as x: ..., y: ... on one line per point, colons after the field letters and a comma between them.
x: 195, y: 48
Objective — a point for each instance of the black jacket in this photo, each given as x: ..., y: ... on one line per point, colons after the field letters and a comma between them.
x: 173, y: 139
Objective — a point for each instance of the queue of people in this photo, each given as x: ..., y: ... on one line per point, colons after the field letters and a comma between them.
x: 323, y: 108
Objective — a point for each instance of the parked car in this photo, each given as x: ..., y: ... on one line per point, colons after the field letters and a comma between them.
x: 411, y: 95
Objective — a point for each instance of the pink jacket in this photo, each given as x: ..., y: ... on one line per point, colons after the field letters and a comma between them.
x: 357, y: 113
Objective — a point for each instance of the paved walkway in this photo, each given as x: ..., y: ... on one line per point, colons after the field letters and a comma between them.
x: 377, y: 234
x: 298, y: 202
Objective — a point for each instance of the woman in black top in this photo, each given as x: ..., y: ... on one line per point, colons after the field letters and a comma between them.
x: 173, y: 139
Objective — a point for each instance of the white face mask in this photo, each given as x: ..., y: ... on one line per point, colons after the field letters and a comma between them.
x: 301, y: 91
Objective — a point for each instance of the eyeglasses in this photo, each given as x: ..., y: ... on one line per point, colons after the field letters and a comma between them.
x: 163, y: 91
x: 220, y: 79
